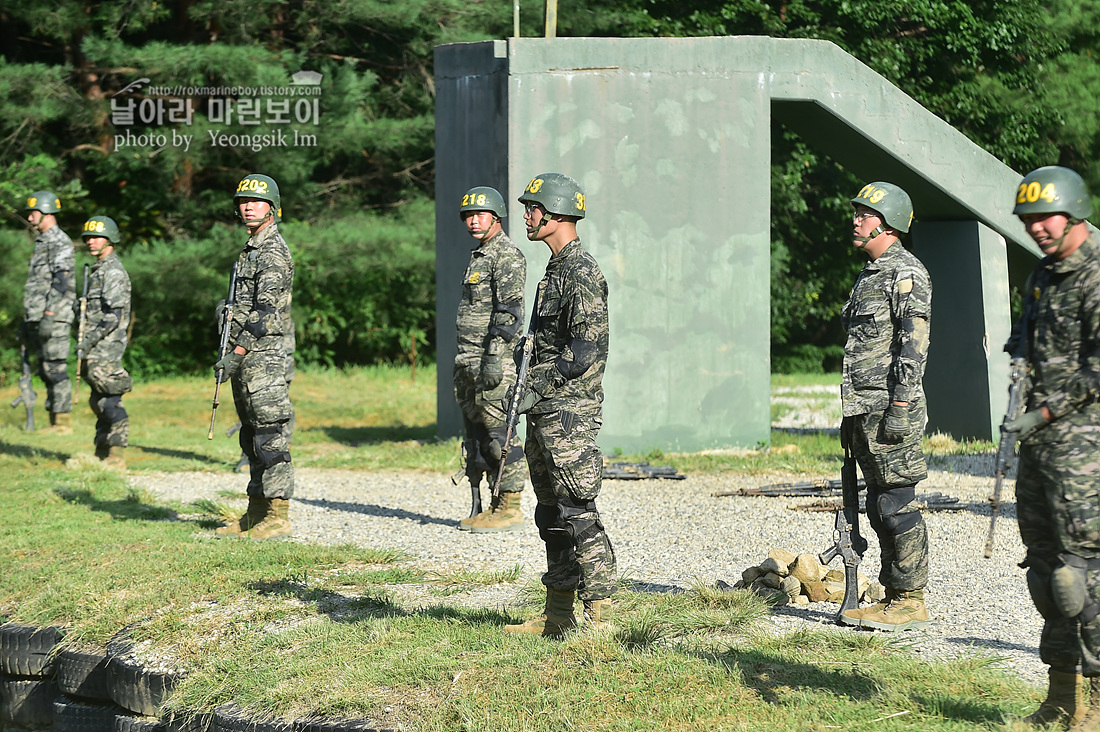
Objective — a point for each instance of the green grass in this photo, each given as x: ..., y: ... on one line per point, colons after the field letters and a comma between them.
x: 290, y: 629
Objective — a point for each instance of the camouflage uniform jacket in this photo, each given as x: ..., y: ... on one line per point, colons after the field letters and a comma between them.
x: 886, y: 319
x: 1064, y: 343
x: 490, y: 312
x: 51, y: 282
x: 571, y: 334
x: 265, y: 278
x: 107, y: 316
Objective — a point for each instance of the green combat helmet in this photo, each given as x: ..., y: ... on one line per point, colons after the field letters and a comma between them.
x: 262, y: 187
x: 557, y: 193
x: 890, y: 201
x: 103, y: 226
x: 483, y: 198
x: 45, y: 201
x: 1053, y: 189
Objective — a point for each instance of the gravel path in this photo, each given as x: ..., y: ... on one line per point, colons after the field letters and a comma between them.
x: 669, y: 535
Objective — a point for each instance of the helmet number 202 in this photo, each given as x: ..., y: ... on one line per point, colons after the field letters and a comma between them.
x: 1031, y: 192
x: 251, y: 184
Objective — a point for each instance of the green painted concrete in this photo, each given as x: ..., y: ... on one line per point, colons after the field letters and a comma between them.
x: 671, y: 140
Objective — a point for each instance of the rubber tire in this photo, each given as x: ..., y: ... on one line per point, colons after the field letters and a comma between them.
x: 127, y: 723
x: 187, y: 721
x: 27, y: 703
x: 231, y: 718
x: 84, y: 674
x: 340, y: 725
x: 26, y: 650
x: 74, y: 715
x: 134, y: 687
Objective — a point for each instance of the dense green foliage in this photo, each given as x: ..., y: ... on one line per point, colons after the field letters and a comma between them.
x: 1012, y: 75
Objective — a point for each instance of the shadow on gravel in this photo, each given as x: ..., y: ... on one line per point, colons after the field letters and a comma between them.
x: 993, y: 645
x: 356, y: 436
x: 372, y: 510
x: 356, y: 608
x: 26, y: 451
x: 180, y: 454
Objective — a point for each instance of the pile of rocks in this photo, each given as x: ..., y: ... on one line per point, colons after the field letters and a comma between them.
x: 786, y: 578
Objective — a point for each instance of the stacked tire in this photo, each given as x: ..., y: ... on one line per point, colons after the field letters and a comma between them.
x: 28, y: 682
x: 45, y: 686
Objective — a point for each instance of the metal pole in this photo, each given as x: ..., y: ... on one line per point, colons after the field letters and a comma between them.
x: 515, y: 19
x: 551, y: 18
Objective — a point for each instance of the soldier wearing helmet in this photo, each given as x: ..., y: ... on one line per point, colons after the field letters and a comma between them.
x: 48, y: 306
x: 563, y: 401
x: 255, y: 351
x: 886, y: 321
x: 107, y: 315
x: 1058, y: 477
x: 490, y: 315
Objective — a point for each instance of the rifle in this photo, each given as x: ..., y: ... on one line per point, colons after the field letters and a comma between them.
x: 475, y: 490
x: 640, y: 471
x: 223, y: 345
x: 819, y: 487
x: 26, y: 389
x: 528, y: 346
x: 1007, y: 449
x: 848, y: 544
x: 80, y: 335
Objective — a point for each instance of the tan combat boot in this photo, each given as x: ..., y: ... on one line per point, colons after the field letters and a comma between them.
x: 276, y: 520
x: 1090, y: 718
x: 854, y: 615
x: 505, y: 515
x: 61, y: 423
x: 1065, y: 704
x: 598, y: 614
x: 556, y: 620
x: 467, y: 524
x: 904, y: 611
x: 114, y: 457
x: 257, y: 509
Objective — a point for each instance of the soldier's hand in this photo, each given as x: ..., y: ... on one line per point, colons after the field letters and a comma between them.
x: 896, y: 425
x: 492, y: 373
x: 228, y: 366
x: 528, y: 399
x: 1027, y: 423
x: 84, y: 346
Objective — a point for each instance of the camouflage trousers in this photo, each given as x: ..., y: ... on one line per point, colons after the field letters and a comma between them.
x: 566, y: 472
x: 108, y: 381
x: 262, y: 399
x: 1058, y: 509
x: 484, y: 423
x: 891, y: 471
x: 49, y: 339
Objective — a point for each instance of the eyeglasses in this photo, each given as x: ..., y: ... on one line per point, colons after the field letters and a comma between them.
x: 862, y: 215
x: 530, y: 208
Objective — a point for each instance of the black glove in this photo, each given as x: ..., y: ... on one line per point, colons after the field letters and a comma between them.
x: 228, y: 366
x: 492, y: 373
x: 847, y: 433
x: 896, y: 425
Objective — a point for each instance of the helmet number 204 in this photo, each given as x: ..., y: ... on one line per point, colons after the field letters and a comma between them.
x: 1030, y: 193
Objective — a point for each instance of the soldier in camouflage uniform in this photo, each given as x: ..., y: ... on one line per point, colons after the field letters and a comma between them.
x: 48, y: 306
x: 490, y: 315
x: 256, y: 363
x: 1058, y: 478
x: 108, y: 317
x: 886, y: 319
x: 563, y: 400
